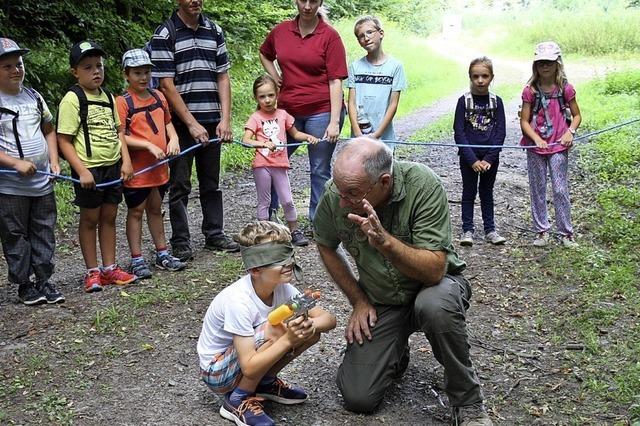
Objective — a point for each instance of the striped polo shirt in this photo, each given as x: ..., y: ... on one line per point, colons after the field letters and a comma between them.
x: 193, y: 60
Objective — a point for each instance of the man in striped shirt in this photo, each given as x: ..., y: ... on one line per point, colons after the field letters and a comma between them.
x: 191, y: 61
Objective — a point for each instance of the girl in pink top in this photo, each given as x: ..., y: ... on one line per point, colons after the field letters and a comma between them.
x: 267, y: 130
x: 550, y: 117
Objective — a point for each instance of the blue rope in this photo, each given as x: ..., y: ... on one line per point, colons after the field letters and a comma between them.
x: 118, y: 181
x: 396, y: 142
x: 421, y: 143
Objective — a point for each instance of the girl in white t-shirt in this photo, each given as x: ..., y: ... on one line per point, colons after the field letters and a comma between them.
x: 241, y: 353
x: 267, y: 130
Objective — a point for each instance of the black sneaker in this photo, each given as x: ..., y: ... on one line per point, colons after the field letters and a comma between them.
x: 221, y: 243
x: 50, y: 293
x: 30, y: 295
x: 182, y: 253
x: 298, y: 238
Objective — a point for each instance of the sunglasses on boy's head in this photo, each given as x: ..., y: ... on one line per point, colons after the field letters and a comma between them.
x: 545, y: 63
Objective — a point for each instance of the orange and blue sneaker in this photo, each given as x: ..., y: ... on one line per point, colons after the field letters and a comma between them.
x: 116, y: 275
x: 281, y: 392
x: 92, y: 281
x: 248, y: 412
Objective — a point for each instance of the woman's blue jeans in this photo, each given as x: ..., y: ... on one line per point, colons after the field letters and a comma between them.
x: 319, y: 156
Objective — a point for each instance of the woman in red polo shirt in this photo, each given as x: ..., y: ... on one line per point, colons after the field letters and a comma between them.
x: 313, y: 63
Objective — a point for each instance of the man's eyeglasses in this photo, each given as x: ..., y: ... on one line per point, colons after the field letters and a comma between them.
x: 350, y: 198
x: 367, y: 34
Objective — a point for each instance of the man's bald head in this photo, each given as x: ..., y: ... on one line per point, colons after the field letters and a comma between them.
x: 362, y: 156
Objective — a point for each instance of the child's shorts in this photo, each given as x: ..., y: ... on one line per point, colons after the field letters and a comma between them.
x: 223, y: 372
x: 133, y: 197
x: 93, y: 198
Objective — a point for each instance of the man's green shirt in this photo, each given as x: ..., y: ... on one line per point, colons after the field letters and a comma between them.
x: 417, y: 214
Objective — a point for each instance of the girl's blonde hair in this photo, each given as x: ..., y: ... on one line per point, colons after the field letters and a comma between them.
x: 484, y: 61
x: 560, y: 79
x: 263, y: 231
x: 263, y: 80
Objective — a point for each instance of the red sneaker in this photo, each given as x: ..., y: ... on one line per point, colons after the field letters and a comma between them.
x: 116, y: 276
x: 92, y: 281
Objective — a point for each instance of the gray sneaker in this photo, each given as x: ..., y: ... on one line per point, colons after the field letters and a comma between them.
x: 471, y: 415
x: 542, y: 239
x: 169, y: 263
x: 567, y: 241
x: 140, y: 270
x: 494, y: 238
x: 466, y: 240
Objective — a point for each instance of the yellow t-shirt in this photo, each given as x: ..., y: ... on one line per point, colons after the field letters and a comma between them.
x: 103, y: 129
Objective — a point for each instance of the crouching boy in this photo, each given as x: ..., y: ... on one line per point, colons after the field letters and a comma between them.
x: 240, y: 352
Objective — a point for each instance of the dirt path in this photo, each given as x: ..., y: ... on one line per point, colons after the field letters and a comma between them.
x: 128, y: 356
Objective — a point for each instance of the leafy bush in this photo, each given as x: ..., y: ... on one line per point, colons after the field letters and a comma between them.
x: 627, y: 82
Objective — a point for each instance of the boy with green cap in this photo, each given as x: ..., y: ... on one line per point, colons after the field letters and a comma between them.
x: 91, y: 139
x: 240, y: 352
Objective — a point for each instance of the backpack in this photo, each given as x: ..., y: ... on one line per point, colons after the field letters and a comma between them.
x: 541, y: 102
x: 84, y: 111
x: 470, y: 107
x: 564, y: 106
x: 171, y: 27
x: 14, y: 122
x: 484, y: 120
x: 132, y: 110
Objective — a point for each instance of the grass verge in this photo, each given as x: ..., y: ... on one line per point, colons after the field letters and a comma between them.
x: 604, y: 309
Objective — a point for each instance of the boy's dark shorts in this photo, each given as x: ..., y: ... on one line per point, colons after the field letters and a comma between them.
x: 93, y: 198
x: 136, y: 196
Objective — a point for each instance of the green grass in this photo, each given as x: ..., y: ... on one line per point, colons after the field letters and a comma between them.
x: 594, y: 32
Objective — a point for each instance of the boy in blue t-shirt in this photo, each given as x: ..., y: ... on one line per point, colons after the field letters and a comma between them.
x: 375, y: 82
x: 28, y: 207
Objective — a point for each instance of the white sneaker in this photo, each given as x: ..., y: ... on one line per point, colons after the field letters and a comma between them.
x: 466, y: 239
x: 494, y: 238
x: 568, y: 242
x: 541, y: 240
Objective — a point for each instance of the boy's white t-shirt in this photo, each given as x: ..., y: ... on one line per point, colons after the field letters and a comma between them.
x: 236, y: 310
x: 33, y: 142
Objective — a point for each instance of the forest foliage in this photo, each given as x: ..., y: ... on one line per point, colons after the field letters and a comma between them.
x: 50, y: 28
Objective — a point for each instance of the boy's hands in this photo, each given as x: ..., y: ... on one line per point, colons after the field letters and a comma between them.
x: 299, y: 330
x: 155, y: 151
x: 173, y: 148
x: 25, y: 168
x: 54, y: 167
x: 312, y: 139
x: 126, y: 170
x: 86, y: 180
